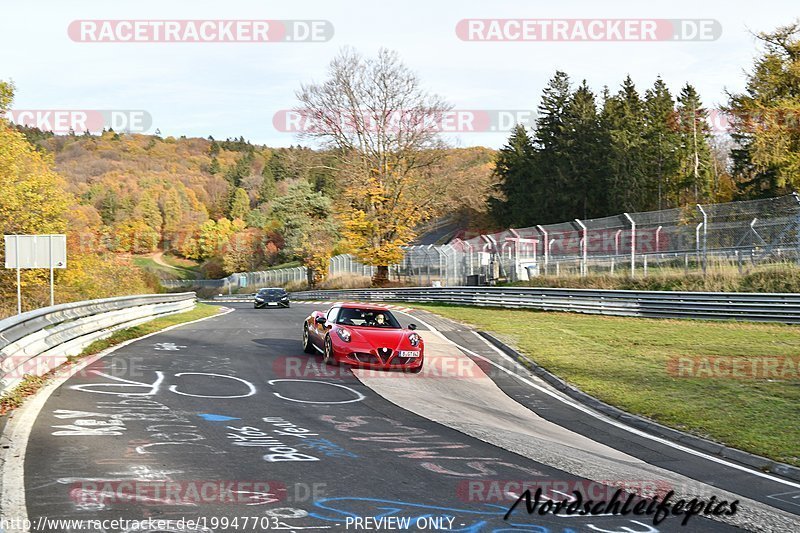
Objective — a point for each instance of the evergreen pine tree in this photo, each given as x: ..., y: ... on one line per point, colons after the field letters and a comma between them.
x: 517, y: 178
x: 624, y: 117
x: 586, y: 146
x: 663, y: 142
x: 696, y: 173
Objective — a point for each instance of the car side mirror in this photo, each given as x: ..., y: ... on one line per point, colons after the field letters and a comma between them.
x: 412, y: 327
x: 320, y: 320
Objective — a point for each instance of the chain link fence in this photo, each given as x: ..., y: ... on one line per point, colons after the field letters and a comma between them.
x: 733, y: 235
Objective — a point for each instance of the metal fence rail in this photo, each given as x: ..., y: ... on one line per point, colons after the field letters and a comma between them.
x: 756, y: 307
x: 734, y: 234
x: 38, y: 341
x: 251, y: 280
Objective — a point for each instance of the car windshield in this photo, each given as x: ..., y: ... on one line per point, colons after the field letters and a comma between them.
x: 373, y: 318
x: 272, y: 292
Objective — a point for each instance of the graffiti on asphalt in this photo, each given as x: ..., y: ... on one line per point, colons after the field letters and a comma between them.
x: 115, y: 385
x: 357, y: 396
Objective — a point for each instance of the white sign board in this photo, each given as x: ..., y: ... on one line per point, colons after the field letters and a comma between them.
x: 36, y: 251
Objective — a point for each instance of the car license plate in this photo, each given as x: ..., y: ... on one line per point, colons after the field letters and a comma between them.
x: 272, y: 303
x: 404, y: 353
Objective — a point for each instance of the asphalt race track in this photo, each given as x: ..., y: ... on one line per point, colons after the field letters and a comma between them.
x: 228, y: 422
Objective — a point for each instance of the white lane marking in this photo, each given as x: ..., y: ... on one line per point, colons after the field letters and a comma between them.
x: 602, y: 417
x: 795, y: 496
x: 18, y: 430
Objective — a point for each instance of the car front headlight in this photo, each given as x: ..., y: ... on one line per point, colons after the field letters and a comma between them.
x: 259, y: 299
x: 344, y: 334
x: 414, y: 339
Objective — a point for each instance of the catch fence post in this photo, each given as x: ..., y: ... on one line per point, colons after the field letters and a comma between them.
x: 633, y: 244
x: 705, y: 237
x: 545, y: 247
x: 584, y: 249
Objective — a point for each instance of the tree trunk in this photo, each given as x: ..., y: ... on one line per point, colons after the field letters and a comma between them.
x: 381, y: 277
x: 310, y: 277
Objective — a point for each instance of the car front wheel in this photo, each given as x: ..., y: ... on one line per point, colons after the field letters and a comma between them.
x: 307, y: 346
x: 328, y: 358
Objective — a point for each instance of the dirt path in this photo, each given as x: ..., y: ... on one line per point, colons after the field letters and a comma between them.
x: 159, y: 259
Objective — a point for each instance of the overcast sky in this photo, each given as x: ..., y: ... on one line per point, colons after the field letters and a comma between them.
x: 233, y: 89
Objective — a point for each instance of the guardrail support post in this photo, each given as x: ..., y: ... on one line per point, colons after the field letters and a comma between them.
x: 633, y: 244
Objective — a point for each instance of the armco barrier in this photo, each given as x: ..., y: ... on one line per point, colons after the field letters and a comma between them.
x: 37, y: 341
x: 756, y: 307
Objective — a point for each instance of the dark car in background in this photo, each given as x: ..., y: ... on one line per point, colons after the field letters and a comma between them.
x: 271, y: 297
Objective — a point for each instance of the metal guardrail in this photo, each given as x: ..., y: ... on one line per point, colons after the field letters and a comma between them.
x: 755, y: 307
x: 40, y: 340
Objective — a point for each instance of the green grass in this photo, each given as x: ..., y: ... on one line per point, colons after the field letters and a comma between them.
x: 30, y: 384
x: 623, y: 361
x: 181, y: 262
x: 775, y: 277
x: 290, y: 264
x: 147, y: 263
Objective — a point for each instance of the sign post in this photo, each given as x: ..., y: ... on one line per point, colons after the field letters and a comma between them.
x: 19, y: 282
x: 50, y: 260
x: 35, y: 251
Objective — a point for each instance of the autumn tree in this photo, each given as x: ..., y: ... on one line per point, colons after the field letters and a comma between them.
x: 214, y: 235
x: 147, y: 211
x: 308, y: 228
x: 240, y: 204
x: 382, y: 127
x: 243, y: 252
x: 33, y: 200
x: 764, y: 118
x: 6, y: 96
x: 171, y: 207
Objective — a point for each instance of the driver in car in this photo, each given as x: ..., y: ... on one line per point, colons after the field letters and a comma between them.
x: 380, y: 320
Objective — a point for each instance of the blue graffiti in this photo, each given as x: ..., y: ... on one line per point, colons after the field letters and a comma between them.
x: 327, y: 448
x: 339, y: 509
x: 216, y: 418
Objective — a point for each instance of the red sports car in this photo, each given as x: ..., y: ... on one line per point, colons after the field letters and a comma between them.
x: 366, y: 336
